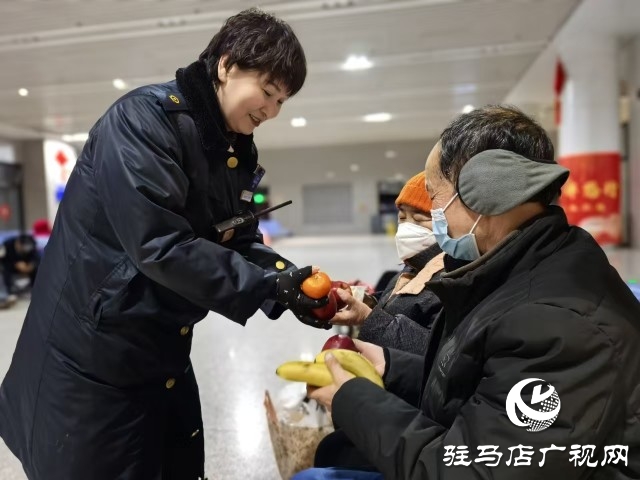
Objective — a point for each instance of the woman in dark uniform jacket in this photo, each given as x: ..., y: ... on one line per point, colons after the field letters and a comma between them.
x: 101, y: 385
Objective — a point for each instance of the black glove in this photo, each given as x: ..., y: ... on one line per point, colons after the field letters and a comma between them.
x: 309, y: 319
x: 288, y: 293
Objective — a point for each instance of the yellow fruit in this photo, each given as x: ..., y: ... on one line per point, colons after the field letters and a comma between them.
x: 354, y: 363
x: 315, y: 374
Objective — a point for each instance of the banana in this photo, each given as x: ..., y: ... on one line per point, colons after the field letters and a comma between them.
x: 354, y: 363
x: 316, y: 374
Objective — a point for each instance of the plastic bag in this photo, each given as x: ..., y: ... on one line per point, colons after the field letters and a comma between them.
x: 296, y: 426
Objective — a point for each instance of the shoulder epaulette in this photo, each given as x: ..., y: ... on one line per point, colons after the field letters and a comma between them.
x: 174, y: 101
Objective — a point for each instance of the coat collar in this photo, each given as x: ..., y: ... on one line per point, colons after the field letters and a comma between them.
x: 408, y: 285
x: 419, y: 260
x: 197, y: 88
x: 461, y: 289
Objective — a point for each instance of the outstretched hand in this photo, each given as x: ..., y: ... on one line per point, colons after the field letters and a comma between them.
x: 355, y: 313
x: 291, y: 296
x: 288, y: 291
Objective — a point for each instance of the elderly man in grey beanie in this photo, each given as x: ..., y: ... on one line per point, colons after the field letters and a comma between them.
x: 533, y: 368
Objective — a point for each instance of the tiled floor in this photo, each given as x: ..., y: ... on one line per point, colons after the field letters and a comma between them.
x: 235, y: 365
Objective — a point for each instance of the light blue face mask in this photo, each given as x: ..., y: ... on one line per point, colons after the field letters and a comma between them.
x: 463, y: 248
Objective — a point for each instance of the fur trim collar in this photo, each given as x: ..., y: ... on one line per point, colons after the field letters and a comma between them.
x: 197, y: 88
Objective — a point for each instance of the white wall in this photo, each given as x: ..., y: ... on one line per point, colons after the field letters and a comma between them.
x: 34, y: 193
x: 288, y: 170
x: 7, y: 151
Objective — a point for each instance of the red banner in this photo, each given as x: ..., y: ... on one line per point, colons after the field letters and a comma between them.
x: 558, y: 86
x: 591, y: 196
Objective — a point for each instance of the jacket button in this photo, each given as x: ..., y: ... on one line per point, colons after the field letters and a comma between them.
x: 170, y: 383
x: 232, y: 162
x: 184, y: 330
x: 280, y: 265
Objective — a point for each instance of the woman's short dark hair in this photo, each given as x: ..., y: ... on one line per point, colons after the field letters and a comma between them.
x: 491, y: 127
x: 255, y: 40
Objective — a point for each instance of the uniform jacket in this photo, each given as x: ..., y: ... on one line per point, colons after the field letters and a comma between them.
x: 103, y: 357
x: 545, y: 304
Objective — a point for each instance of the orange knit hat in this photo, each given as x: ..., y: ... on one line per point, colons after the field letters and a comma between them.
x: 415, y: 194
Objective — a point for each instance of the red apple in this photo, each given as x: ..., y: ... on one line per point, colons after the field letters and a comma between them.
x: 328, y: 311
x: 344, y: 286
x: 340, y: 341
x: 340, y: 284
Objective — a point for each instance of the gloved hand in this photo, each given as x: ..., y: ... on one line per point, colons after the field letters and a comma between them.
x: 288, y: 293
x: 309, y: 319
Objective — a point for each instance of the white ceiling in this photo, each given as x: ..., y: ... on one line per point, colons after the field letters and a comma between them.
x: 615, y: 18
x: 431, y: 58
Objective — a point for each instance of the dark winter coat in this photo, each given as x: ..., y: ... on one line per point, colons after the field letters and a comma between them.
x: 545, y: 304
x: 404, y: 314
x: 101, y: 386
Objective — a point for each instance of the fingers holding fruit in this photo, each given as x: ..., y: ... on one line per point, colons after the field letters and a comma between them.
x: 340, y: 288
x: 338, y: 295
x: 319, y: 302
x: 290, y: 294
x: 355, y: 312
x: 373, y: 353
x: 338, y: 362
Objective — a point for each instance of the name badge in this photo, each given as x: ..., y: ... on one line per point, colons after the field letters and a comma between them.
x: 258, y: 173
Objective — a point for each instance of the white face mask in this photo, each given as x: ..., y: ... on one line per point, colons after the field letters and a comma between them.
x: 412, y: 239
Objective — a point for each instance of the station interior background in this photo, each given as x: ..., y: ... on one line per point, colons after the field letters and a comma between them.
x: 385, y: 77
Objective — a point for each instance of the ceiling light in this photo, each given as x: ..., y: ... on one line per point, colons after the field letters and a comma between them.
x: 377, y: 117
x: 298, y: 122
x: 357, y: 62
x: 331, y: 174
x: 75, y: 137
x: 354, y: 167
x: 390, y: 154
x: 119, y: 83
x: 467, y: 108
x: 464, y: 88
x: 23, y: 92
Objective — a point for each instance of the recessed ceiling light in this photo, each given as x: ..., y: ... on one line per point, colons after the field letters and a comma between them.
x: 354, y: 167
x: 298, y: 122
x: 390, y: 154
x: 467, y: 108
x: 331, y: 174
x: 23, y: 92
x: 377, y: 117
x: 119, y: 83
x: 357, y: 62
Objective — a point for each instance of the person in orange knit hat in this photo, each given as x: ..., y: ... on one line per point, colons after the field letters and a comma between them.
x: 414, y: 218
x: 406, y: 309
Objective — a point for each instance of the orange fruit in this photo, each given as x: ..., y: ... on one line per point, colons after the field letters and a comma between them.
x: 317, y: 285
